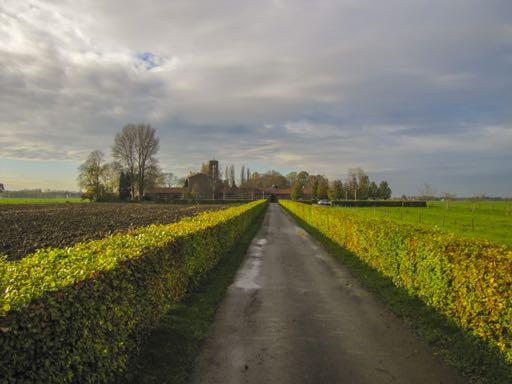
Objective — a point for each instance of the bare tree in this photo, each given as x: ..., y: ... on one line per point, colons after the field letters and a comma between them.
x: 169, y: 179
x: 226, y: 174
x: 448, y: 195
x: 135, y: 147
x: 154, y: 176
x: 427, y: 192
x: 110, y: 176
x: 147, y: 145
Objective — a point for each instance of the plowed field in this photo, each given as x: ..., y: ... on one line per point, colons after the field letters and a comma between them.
x: 25, y: 228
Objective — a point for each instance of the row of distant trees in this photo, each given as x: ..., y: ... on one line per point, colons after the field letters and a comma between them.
x: 357, y: 185
x: 38, y: 193
x: 133, y: 169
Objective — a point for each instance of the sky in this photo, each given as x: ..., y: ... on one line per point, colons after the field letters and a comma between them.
x: 413, y: 91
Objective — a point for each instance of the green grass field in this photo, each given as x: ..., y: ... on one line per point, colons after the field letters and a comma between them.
x: 491, y: 220
x: 49, y: 200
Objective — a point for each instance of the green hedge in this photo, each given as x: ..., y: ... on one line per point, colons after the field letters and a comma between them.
x: 202, y: 201
x: 379, y: 203
x: 469, y: 280
x: 77, y: 315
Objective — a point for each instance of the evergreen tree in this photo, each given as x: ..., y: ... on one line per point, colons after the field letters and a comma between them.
x: 384, y: 190
x: 363, y: 184
x: 373, y: 191
x: 242, y: 175
x: 232, y: 180
x: 351, y: 185
x: 124, y: 186
x: 336, y: 191
x: 314, y: 188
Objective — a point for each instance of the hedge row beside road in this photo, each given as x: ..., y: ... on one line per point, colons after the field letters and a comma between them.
x: 77, y: 315
x: 469, y: 280
x: 202, y: 201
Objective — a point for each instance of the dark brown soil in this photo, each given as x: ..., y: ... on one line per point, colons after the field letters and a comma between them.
x: 25, y: 228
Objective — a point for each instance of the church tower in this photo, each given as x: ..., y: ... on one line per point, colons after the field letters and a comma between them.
x: 213, y: 169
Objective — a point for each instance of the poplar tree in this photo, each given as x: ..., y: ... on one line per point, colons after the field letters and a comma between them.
x: 242, y: 175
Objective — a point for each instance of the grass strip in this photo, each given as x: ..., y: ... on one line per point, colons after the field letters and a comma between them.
x: 168, y: 355
x: 467, y: 353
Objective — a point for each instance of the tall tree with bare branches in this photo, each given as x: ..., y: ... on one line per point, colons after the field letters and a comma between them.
x: 146, y: 148
x: 136, y: 147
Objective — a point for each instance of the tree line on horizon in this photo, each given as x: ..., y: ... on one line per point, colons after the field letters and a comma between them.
x: 135, y: 168
x: 357, y: 185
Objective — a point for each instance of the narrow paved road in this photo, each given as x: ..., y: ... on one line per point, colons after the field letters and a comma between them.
x: 295, y: 315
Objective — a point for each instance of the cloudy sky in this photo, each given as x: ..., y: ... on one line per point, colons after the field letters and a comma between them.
x: 414, y: 91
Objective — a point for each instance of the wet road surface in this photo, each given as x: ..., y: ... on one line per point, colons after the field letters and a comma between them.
x: 295, y: 315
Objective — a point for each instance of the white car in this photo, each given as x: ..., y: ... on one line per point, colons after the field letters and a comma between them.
x: 324, y: 202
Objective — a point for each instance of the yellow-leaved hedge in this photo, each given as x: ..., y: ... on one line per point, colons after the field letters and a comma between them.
x: 469, y: 280
x: 78, y: 314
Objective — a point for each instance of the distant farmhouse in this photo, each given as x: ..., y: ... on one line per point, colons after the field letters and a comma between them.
x: 210, y: 186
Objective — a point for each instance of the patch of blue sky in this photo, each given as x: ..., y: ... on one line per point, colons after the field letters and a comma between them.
x: 150, y: 60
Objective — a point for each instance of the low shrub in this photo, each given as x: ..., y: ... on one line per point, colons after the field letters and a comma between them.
x: 469, y: 280
x: 77, y: 315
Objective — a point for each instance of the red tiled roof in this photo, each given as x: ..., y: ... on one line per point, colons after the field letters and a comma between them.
x: 276, y: 191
